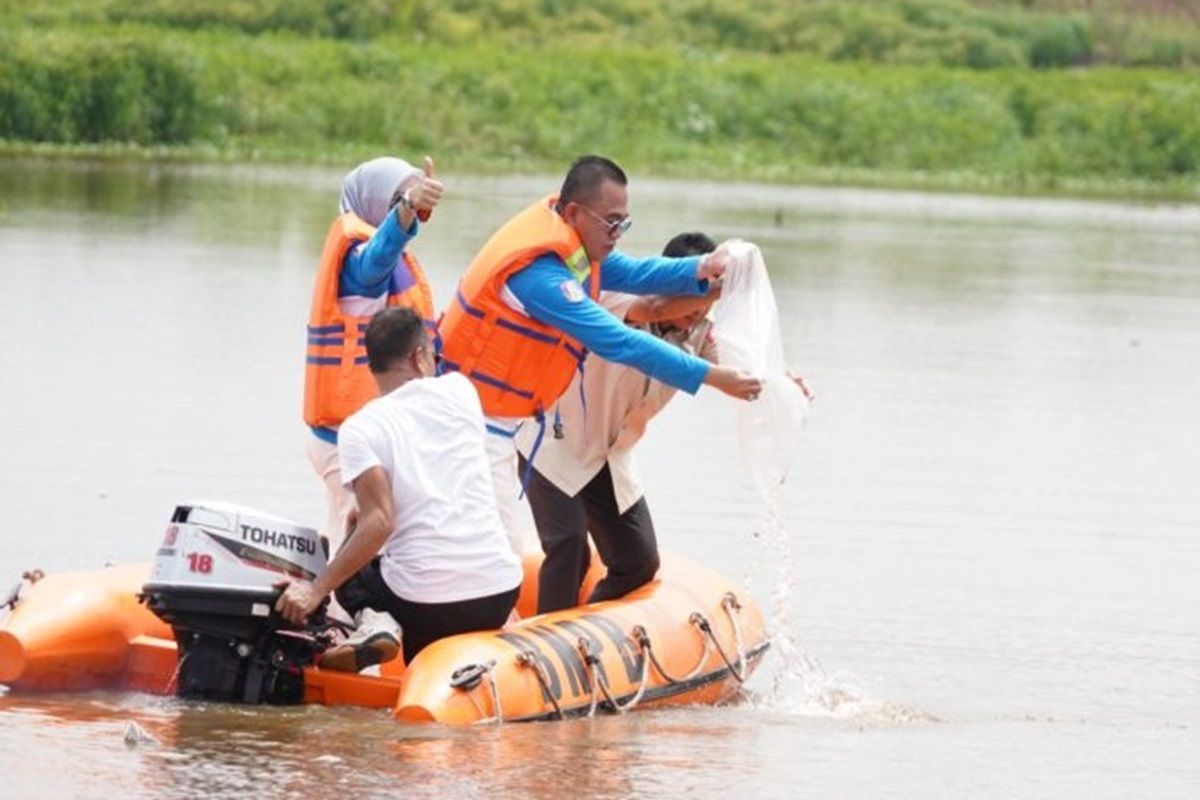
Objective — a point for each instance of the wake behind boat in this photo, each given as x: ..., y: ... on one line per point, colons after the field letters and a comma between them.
x: 200, y: 623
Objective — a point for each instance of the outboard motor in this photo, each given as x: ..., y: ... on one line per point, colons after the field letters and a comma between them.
x: 214, y: 582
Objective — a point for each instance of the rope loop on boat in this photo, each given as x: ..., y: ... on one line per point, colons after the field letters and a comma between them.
x: 730, y: 604
x: 495, y: 691
x: 527, y: 659
x: 643, y: 639
x: 598, y: 680
x: 590, y: 659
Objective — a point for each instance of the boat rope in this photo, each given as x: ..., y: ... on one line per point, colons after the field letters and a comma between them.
x: 585, y: 649
x: 643, y: 639
x: 495, y: 691
x: 467, y: 677
x: 526, y: 658
x: 730, y: 604
x: 599, y: 681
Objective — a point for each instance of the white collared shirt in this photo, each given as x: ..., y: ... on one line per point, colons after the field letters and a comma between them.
x: 619, y: 401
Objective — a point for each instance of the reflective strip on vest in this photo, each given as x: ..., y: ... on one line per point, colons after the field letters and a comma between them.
x: 579, y: 266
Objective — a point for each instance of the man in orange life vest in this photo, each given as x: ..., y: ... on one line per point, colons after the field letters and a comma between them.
x: 365, y: 267
x: 525, y: 314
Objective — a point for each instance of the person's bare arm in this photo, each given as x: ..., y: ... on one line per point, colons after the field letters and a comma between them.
x: 662, y: 308
x: 376, y: 517
x: 656, y: 308
x: 733, y: 382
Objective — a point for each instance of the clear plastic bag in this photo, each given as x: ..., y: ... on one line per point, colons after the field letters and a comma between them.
x: 746, y: 331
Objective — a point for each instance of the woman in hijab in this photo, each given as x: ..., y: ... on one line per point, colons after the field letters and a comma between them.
x: 365, y: 267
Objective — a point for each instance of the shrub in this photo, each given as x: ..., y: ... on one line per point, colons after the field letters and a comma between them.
x: 1060, y: 42
x: 75, y: 89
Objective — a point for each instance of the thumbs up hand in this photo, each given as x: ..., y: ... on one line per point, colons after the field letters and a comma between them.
x: 426, y: 193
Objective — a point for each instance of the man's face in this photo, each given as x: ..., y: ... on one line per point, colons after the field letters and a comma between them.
x: 596, y: 219
x: 680, y: 328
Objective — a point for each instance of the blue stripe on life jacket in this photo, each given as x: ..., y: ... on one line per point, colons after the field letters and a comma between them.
x: 467, y: 307
x: 449, y: 366
x: 524, y: 331
x: 499, y: 384
x: 323, y: 329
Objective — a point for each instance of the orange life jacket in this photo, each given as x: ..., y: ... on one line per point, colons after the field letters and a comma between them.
x: 519, y: 365
x: 337, y: 381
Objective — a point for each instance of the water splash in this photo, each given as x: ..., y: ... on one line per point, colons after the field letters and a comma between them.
x: 801, y: 685
x: 747, y: 334
x: 800, y: 682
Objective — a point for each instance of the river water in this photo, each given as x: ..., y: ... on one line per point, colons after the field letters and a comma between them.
x: 983, y: 573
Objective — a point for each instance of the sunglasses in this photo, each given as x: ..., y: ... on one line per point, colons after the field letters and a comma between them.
x: 614, y: 227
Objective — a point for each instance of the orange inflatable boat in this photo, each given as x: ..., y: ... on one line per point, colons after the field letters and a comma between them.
x: 689, y: 636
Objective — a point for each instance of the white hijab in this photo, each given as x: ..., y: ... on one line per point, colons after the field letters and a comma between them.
x: 367, y: 190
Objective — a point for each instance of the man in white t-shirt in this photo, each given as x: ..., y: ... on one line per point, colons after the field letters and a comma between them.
x: 585, y: 480
x: 429, y: 547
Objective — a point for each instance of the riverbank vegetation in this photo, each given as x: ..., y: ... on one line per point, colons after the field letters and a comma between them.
x: 1029, y: 96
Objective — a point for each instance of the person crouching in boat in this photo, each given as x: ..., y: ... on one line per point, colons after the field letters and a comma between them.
x: 587, y: 481
x: 428, y: 548
x: 365, y: 266
x: 525, y: 315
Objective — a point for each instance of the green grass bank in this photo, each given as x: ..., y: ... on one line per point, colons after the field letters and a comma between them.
x: 990, y: 97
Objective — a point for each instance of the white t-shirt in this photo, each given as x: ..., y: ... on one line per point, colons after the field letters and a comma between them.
x: 448, y: 543
x: 620, y: 402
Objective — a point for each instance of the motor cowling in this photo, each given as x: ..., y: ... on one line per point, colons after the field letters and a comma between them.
x: 214, y: 582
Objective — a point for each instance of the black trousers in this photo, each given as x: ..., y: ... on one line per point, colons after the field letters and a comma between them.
x: 424, y: 623
x: 625, y: 542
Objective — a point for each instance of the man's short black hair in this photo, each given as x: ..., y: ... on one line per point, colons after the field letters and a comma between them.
x: 392, y: 336
x: 689, y: 244
x: 585, y: 176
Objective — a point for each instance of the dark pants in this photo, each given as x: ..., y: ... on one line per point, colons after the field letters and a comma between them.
x: 424, y: 623
x: 625, y: 542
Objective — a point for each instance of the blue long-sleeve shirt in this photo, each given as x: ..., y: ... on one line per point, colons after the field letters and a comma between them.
x: 552, y: 295
x: 370, y: 267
